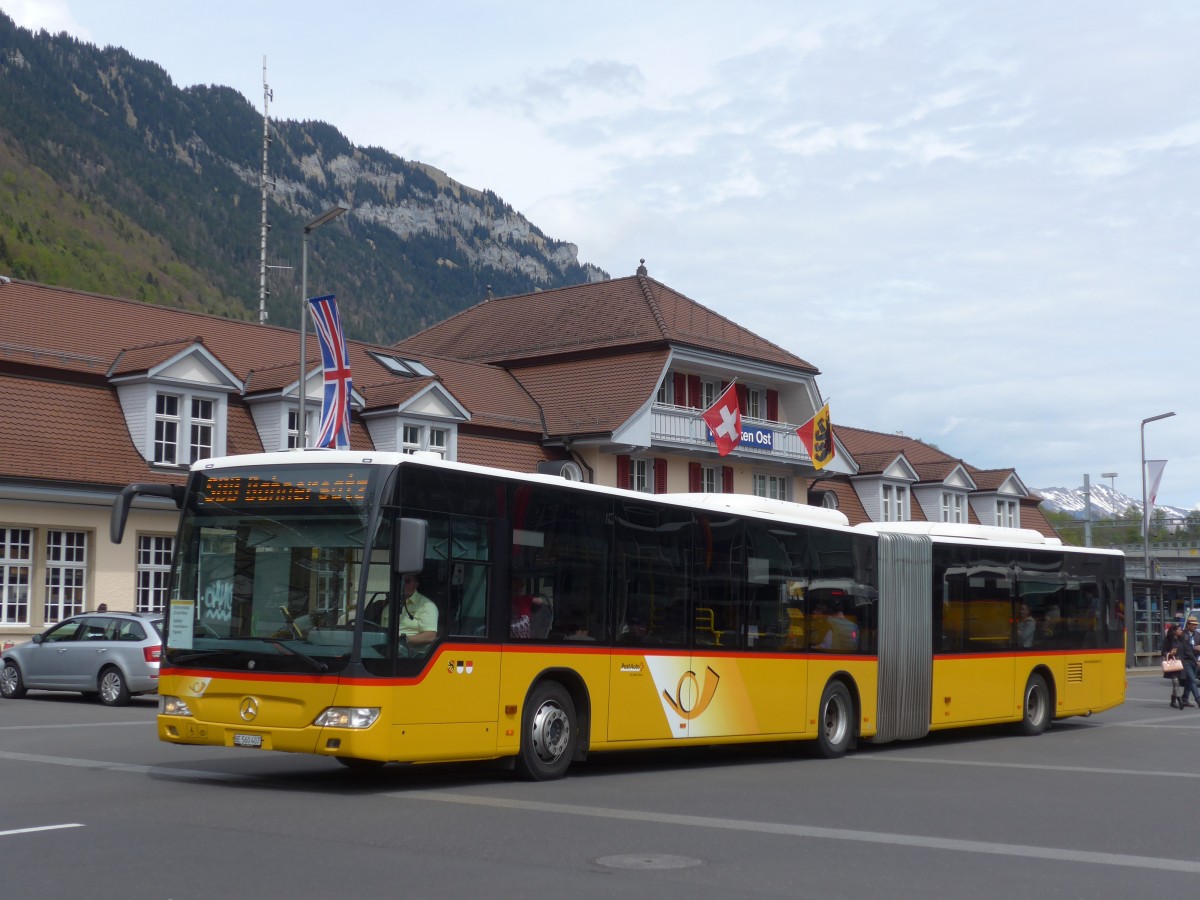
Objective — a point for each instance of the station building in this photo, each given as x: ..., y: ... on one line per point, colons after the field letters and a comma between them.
x: 602, y: 382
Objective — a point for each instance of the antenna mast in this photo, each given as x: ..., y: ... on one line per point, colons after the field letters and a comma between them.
x: 263, y: 293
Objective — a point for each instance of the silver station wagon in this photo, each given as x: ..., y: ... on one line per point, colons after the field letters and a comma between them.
x: 110, y: 655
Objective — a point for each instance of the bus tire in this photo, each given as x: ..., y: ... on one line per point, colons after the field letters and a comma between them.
x: 1035, y: 707
x: 835, y: 721
x: 549, y: 733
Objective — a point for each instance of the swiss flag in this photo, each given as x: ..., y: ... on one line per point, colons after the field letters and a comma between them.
x: 724, y: 420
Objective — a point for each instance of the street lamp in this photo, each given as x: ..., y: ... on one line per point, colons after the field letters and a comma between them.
x: 1145, y: 500
x: 301, y: 390
x: 1112, y: 484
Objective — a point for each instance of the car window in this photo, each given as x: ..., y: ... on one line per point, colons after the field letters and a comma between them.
x: 95, y: 629
x: 131, y: 631
x: 65, y: 631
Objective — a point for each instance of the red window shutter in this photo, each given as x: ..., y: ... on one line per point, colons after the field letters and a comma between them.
x: 743, y: 398
x: 694, y: 473
x: 660, y: 476
x: 695, y: 396
x: 773, y: 405
x: 623, y: 472
x: 680, y: 381
x: 727, y: 479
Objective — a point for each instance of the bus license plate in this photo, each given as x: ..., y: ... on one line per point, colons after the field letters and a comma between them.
x: 247, y: 740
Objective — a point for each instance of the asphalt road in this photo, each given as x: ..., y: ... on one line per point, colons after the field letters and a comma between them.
x: 93, y: 806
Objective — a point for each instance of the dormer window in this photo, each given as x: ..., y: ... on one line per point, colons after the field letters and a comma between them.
x: 893, y: 503
x: 179, y: 414
x: 953, y: 507
x: 1006, y: 514
x: 175, y: 398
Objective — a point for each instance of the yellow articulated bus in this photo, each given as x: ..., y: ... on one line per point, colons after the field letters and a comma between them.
x: 379, y: 607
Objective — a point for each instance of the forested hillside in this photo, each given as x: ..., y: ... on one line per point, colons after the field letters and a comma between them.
x: 115, y: 180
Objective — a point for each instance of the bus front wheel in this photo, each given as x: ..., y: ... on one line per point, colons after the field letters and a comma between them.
x: 1036, y: 716
x: 548, y: 733
x: 835, y: 725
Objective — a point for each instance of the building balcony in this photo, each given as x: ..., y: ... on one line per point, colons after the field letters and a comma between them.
x: 681, y: 428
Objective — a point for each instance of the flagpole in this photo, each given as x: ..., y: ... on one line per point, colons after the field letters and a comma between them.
x: 301, y: 392
x: 1145, y: 501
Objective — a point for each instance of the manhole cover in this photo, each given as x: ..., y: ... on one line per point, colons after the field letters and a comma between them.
x: 647, y: 861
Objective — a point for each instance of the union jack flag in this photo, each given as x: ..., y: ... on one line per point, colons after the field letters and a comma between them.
x: 335, y: 405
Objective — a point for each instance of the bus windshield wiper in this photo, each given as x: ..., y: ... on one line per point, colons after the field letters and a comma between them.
x: 317, y: 665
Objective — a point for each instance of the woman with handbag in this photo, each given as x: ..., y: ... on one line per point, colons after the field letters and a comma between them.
x: 1173, y: 666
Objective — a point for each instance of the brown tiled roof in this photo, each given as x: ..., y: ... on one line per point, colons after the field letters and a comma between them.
x: 493, y: 397
x: 520, y: 456
x: 593, y: 395
x: 859, y: 440
x: 848, y: 503
x: 89, y: 443
x: 936, y: 472
x: 990, y: 479
x: 584, y: 319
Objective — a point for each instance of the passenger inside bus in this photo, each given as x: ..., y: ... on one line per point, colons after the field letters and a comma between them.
x: 532, y: 614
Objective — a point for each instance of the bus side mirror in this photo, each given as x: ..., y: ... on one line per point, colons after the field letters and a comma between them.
x: 124, y: 500
x: 408, y: 553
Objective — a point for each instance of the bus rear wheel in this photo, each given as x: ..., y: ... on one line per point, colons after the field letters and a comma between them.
x: 835, y: 723
x: 548, y: 733
x: 1036, y: 713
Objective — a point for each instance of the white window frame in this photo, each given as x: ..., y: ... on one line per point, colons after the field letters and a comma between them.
x: 189, y: 427
x: 166, y: 448
x: 893, y: 502
x: 710, y: 480
x: 294, y: 438
x: 153, y: 572
x: 774, y: 487
x: 756, y: 403
x: 709, y: 392
x: 66, y: 574
x: 1006, y: 514
x: 437, y: 438
x: 641, y: 475
x: 16, y: 575
x: 953, y: 507
x: 202, y: 427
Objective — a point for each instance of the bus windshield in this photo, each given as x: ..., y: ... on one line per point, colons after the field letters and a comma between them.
x: 270, y: 567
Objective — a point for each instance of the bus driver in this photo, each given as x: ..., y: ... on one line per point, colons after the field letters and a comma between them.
x: 418, y: 615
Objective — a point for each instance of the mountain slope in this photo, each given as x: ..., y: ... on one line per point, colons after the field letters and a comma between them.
x: 114, y: 180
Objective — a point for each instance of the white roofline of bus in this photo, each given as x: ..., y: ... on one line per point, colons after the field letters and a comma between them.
x: 748, y: 504
x: 991, y: 534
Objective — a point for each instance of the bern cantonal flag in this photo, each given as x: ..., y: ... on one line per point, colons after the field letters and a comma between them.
x: 724, y: 420
x: 335, y: 404
x: 817, y: 437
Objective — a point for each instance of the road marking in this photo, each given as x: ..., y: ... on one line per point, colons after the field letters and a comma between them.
x: 158, y: 771
x: 80, y: 725
x: 40, y: 828
x: 1039, y: 767
x: 830, y: 834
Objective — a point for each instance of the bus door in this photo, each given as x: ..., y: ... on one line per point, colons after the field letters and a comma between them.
x: 651, y: 576
x: 973, y: 676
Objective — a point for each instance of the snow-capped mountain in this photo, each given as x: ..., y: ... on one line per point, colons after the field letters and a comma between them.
x: 1106, y: 503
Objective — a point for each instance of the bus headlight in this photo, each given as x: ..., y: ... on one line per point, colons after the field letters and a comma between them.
x: 348, y: 717
x: 173, y: 706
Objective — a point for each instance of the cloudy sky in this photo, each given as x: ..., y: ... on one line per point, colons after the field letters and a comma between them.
x: 979, y: 220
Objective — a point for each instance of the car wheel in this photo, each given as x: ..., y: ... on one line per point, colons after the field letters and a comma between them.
x: 113, y: 689
x: 548, y: 733
x: 835, y: 721
x: 1037, y: 713
x: 11, y: 684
